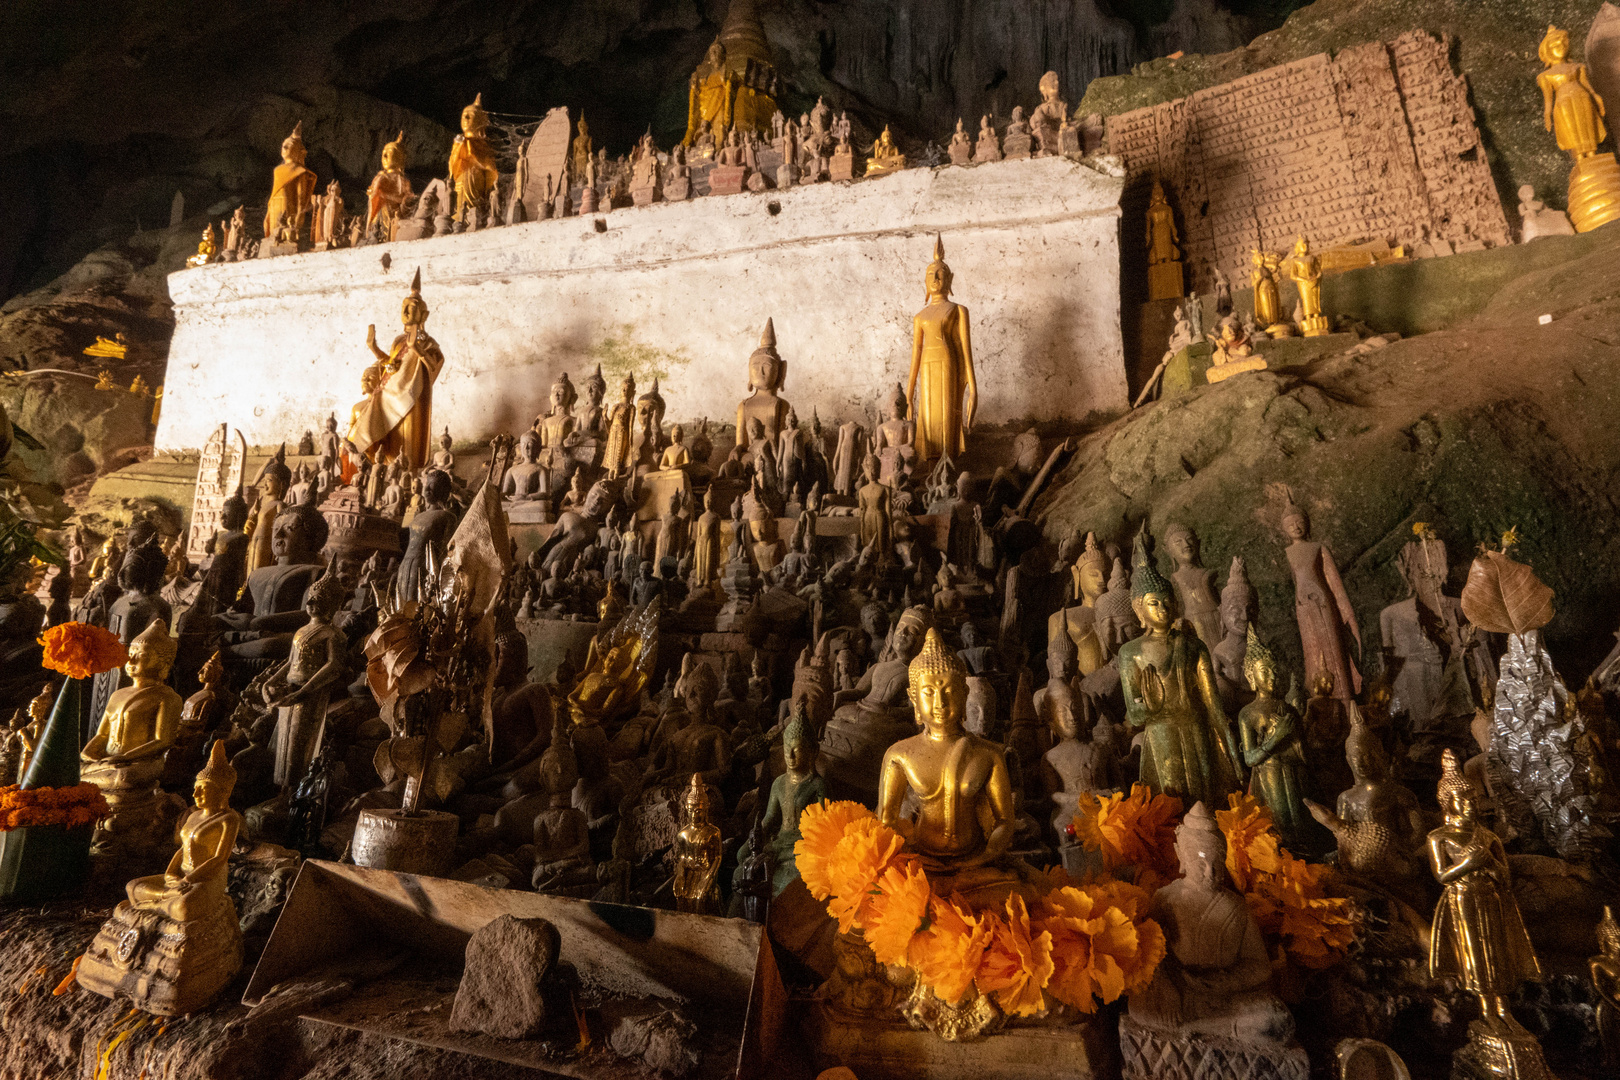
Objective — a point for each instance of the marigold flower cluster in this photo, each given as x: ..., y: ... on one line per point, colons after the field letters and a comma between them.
x: 1078, y: 944
x: 75, y: 807
x: 1295, y: 903
x: 80, y: 650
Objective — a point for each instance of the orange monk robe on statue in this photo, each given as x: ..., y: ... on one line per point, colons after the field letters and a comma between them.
x: 394, y: 422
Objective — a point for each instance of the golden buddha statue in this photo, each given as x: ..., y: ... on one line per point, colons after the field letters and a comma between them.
x: 125, y: 757
x: 1164, y: 257
x: 174, y: 943
x: 942, y: 357
x: 1574, y: 113
x: 472, y: 166
x: 1305, y: 271
x: 1231, y: 353
x: 205, y: 248
x: 385, y: 198
x: 291, y: 189
x: 767, y: 373
x: 965, y: 818
x: 697, y: 854
x: 1479, y: 940
x: 1605, y: 971
x: 709, y: 97
x: 618, y: 664
x: 394, y: 423
x: 886, y: 157
x: 1267, y: 300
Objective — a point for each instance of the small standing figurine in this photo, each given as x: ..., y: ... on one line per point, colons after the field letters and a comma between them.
x: 1321, y: 606
x: 944, y: 395
x: 1305, y: 271
x: 1574, y: 112
x: 1479, y: 940
x: 299, y: 687
x: 1272, y: 748
x: 472, y: 164
x: 1605, y: 971
x: 390, y: 188
x: 174, y: 944
x: 697, y: 855
x: 1164, y: 257
x: 1267, y: 301
x: 205, y: 248
x: 291, y: 190
x: 1194, y: 585
x: 395, y: 420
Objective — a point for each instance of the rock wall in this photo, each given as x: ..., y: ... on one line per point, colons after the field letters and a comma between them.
x: 680, y: 291
x: 1376, y: 143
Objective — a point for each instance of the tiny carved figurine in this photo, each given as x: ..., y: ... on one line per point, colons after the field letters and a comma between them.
x: 941, y: 386
x: 299, y: 686
x: 1479, y: 940
x: 1195, y: 586
x: 1047, y: 121
x: 1267, y: 302
x: 1272, y: 749
x: 562, y: 841
x: 767, y: 373
x: 1165, y: 277
x: 696, y: 854
x: 798, y: 787
x: 174, y: 943
x: 395, y: 420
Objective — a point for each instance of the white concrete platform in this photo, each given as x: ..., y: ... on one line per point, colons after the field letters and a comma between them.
x: 681, y: 291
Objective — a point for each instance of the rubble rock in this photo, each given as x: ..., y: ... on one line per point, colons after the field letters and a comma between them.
x: 500, y: 994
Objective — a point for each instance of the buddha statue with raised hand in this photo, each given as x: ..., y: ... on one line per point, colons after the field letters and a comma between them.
x: 174, y: 944
x: 959, y: 782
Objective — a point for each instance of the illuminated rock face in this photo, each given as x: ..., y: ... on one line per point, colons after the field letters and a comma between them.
x: 680, y: 291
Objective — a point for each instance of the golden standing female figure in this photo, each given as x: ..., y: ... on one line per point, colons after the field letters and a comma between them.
x: 1479, y: 939
x: 942, y: 360
x: 394, y: 422
x: 1574, y: 112
x: 291, y: 188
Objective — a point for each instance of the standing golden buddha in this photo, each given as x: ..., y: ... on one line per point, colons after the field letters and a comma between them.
x: 385, y: 199
x: 1305, y: 271
x: 1164, y: 257
x: 291, y: 189
x: 1574, y: 112
x: 472, y: 163
x: 942, y: 390
x: 394, y: 422
x: 1479, y: 940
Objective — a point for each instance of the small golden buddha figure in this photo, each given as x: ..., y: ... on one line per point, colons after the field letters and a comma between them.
x: 1164, y: 257
x: 1605, y: 971
x: 697, y: 854
x: 709, y: 98
x: 557, y: 427
x: 125, y: 757
x: 389, y: 190
x: 612, y: 679
x: 291, y: 190
x: 1574, y: 112
x: 205, y: 248
x: 965, y: 819
x: 1267, y: 300
x: 941, y: 387
x: 39, y: 710
x: 1269, y: 731
x: 394, y: 423
x: 616, y: 459
x: 1046, y: 122
x: 472, y: 163
x: 1305, y: 271
x: 886, y: 157
x: 174, y: 943
x: 675, y: 455
x: 767, y: 374
x: 1479, y: 940
x: 1232, y: 354
x: 581, y: 153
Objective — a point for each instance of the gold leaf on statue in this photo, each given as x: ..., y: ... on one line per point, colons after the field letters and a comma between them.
x: 1505, y: 597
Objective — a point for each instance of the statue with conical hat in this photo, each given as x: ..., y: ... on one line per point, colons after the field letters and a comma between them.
x: 941, y: 386
x: 394, y: 422
x: 767, y: 373
x: 292, y: 188
x: 174, y: 943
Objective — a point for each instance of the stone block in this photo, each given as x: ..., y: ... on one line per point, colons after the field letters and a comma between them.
x: 500, y: 993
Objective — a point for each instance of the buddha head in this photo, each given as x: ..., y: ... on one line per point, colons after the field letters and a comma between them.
x: 393, y: 154
x: 212, y: 670
x: 870, y: 467
x: 1301, y: 247
x: 595, y: 386
x: 627, y: 390
x: 474, y: 120
x: 1368, y: 761
x: 292, y: 147
x: 1608, y: 934
x: 143, y: 568
x: 1049, y: 87
x: 1157, y: 198
x: 1295, y: 524
x: 677, y: 435
x: 1554, y: 46
x: 1322, y: 684
x: 1424, y: 565
x: 1259, y: 668
x: 298, y: 534
x: 1201, y: 849
x: 1061, y: 658
x: 212, y: 791
x: 799, y: 743
x: 152, y: 654
x: 1064, y: 717
x: 413, y: 310
x: 1456, y: 793
x: 559, y: 767
x: 1091, y: 571
x: 897, y: 403
x: 529, y: 447
x: 1152, y: 598
x: 1237, y: 600
x: 981, y: 709
x: 937, y: 278
x: 1182, y: 545
x: 909, y: 632
x: 695, y: 801
x: 699, y: 689
x: 324, y: 597
x: 765, y: 371
x: 715, y: 59
x: 938, y: 686
x: 563, y: 395
x: 435, y: 488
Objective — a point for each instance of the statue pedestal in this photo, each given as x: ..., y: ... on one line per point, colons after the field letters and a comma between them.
x: 164, y: 967
x: 1165, y: 281
x: 1594, y: 191
x: 419, y: 843
x: 1496, y: 1050
x: 727, y: 179
x: 1156, y: 1055
x: 882, y: 1049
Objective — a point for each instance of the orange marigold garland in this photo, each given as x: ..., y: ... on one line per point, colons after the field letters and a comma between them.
x: 80, y: 650
x: 1137, y: 830
x: 73, y: 807
x: 1078, y: 951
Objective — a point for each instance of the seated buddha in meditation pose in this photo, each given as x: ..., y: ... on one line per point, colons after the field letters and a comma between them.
x: 965, y: 820
x: 125, y: 758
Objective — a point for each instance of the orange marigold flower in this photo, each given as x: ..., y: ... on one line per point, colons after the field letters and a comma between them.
x: 1103, y: 945
x: 821, y: 826
x: 73, y: 807
x: 867, y: 849
x: 1017, y: 964
x: 1138, y: 829
x: 947, y: 952
x: 1252, y: 843
x: 898, y: 912
x: 80, y: 650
